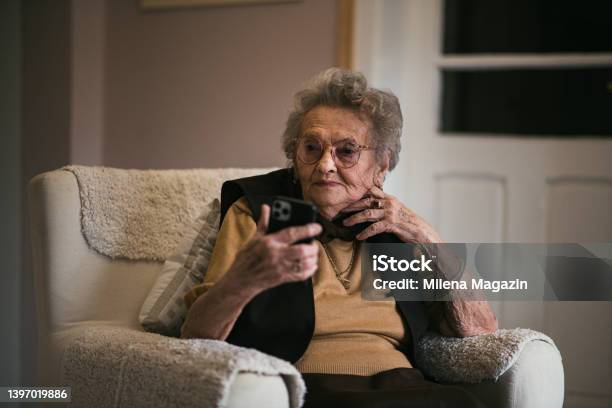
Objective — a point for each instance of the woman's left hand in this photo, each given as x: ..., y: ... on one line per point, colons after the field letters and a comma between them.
x: 388, y: 214
x: 457, y: 317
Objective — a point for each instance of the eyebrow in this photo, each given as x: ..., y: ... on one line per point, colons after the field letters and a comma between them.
x: 315, y: 135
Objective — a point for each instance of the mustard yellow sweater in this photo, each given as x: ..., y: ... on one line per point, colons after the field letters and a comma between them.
x: 351, y: 335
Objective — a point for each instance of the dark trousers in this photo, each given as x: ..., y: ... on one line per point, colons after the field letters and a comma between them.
x: 396, y: 388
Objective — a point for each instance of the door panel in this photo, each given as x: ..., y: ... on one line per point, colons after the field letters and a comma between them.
x: 485, y: 187
x: 471, y: 207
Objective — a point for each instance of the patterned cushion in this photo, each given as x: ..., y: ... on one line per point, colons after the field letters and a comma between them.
x: 164, y: 309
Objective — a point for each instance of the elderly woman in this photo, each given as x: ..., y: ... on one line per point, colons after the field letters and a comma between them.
x: 302, y: 301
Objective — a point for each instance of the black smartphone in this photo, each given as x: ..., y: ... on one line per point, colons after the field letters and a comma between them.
x: 291, y: 212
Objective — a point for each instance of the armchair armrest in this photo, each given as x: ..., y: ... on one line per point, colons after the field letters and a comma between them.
x: 535, y: 380
x: 106, y: 366
x: 507, y: 368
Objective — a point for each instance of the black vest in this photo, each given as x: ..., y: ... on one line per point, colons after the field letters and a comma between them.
x: 280, y: 321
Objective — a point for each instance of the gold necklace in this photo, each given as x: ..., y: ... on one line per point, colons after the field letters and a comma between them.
x: 339, y: 274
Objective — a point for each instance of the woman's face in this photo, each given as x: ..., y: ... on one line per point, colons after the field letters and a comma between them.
x: 326, y: 183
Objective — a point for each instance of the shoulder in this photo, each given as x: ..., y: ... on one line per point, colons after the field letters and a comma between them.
x: 238, y: 220
x: 241, y: 207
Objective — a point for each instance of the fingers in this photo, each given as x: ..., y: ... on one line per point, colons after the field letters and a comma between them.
x: 377, y: 192
x: 264, y: 219
x: 374, y: 229
x: 308, y: 267
x: 302, y: 274
x: 375, y: 198
x: 301, y: 251
x: 359, y: 205
x: 301, y: 267
x: 293, y: 234
x: 308, y: 270
x: 407, y: 233
x: 302, y: 264
x: 363, y: 216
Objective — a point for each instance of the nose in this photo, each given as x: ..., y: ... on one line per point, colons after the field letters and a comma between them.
x: 326, y: 163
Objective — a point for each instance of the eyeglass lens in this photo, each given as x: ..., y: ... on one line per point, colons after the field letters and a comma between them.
x: 311, y: 149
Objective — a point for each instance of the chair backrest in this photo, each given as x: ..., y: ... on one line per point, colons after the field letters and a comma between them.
x: 75, y: 284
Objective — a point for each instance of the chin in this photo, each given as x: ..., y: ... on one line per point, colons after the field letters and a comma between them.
x: 323, y: 199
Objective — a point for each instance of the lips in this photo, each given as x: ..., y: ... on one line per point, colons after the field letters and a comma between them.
x: 324, y: 183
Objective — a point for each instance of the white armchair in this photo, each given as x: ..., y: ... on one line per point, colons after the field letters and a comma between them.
x: 77, y: 289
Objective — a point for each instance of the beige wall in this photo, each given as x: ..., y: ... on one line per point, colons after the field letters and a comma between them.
x: 88, y: 39
x: 103, y: 83
x: 208, y: 87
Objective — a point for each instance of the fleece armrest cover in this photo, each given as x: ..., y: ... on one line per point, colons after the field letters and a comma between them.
x: 535, y: 380
x: 113, y: 366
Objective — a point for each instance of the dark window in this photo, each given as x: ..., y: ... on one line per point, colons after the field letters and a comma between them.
x: 526, y: 26
x: 569, y: 99
x: 575, y: 102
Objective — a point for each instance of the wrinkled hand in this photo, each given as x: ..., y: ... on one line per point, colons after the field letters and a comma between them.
x: 388, y: 214
x: 270, y: 260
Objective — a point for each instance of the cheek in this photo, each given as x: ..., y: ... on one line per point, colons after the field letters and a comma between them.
x: 358, y: 181
x: 303, y: 173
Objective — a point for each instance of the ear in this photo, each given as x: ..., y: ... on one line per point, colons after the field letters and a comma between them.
x: 381, y: 171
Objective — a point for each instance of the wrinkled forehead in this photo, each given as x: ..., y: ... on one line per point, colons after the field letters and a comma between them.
x: 332, y: 124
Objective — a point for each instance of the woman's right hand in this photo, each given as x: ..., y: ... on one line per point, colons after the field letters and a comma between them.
x: 270, y: 260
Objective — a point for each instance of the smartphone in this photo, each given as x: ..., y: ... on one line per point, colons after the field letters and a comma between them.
x: 291, y: 212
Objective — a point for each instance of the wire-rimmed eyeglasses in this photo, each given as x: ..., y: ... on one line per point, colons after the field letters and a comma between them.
x: 345, y: 152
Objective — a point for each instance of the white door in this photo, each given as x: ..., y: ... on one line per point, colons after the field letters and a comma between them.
x: 496, y: 189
